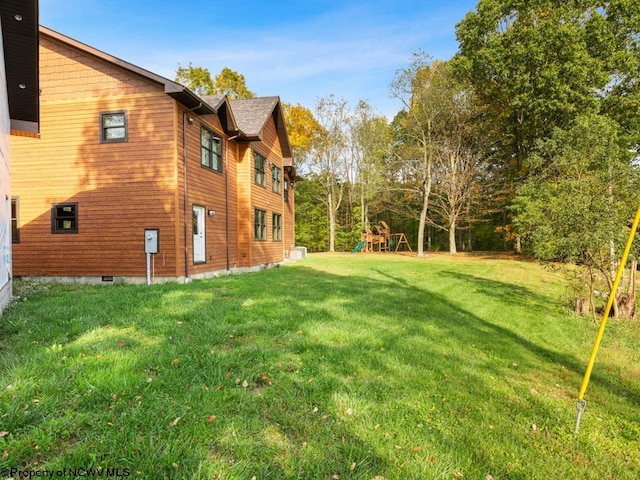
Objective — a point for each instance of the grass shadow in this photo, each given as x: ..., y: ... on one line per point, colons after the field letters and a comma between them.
x: 291, y: 373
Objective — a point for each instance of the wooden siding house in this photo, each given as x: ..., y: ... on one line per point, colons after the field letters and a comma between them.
x: 134, y: 176
x: 18, y: 111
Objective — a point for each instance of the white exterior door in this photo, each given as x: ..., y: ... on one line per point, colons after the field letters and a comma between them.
x: 199, y: 255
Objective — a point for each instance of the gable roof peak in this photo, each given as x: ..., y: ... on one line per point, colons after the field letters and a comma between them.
x: 179, y: 92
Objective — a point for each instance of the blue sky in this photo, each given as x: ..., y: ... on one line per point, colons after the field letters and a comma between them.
x: 299, y: 50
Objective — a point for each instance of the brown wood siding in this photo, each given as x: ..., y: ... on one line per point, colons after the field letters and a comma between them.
x: 120, y: 189
x: 269, y: 250
x: 209, y: 189
x: 245, y: 212
x: 69, y: 73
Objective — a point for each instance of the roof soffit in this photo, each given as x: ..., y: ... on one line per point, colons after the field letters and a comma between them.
x: 20, y: 46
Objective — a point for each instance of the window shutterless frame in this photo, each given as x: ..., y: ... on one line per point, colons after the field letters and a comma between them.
x: 210, y: 150
x: 259, y: 167
x: 15, y: 220
x: 113, y: 127
x: 64, y: 218
x: 276, y: 227
x: 276, y: 179
x: 259, y: 224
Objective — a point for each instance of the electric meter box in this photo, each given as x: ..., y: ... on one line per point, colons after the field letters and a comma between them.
x: 151, y: 240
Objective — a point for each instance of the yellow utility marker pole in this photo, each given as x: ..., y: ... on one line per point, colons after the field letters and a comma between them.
x: 581, y: 403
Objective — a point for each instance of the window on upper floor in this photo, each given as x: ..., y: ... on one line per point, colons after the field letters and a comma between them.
x: 113, y: 127
x: 210, y: 150
x: 260, y: 224
x: 259, y: 167
x: 276, y: 179
x: 64, y: 218
x: 286, y: 190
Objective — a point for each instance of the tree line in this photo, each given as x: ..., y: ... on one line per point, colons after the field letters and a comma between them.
x: 527, y: 139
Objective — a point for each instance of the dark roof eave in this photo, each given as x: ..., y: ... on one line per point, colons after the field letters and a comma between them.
x: 21, y: 45
x: 190, y: 100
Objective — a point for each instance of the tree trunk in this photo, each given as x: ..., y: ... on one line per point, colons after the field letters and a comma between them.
x: 452, y: 237
x: 426, y: 192
x: 421, y: 226
x: 332, y: 224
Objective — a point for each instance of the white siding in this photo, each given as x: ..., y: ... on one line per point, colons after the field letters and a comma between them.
x: 5, y: 188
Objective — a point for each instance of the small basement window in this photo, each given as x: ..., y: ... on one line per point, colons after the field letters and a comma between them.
x: 113, y: 127
x: 64, y: 218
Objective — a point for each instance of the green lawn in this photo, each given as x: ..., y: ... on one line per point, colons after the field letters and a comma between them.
x: 338, y: 366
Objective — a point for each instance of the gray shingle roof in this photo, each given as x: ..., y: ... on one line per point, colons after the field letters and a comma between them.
x: 252, y: 114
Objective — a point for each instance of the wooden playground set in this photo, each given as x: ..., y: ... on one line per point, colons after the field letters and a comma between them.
x: 379, y: 238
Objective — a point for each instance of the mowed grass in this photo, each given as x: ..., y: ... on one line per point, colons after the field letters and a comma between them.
x: 335, y: 367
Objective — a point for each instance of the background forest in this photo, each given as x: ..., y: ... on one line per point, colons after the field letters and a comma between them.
x: 527, y: 139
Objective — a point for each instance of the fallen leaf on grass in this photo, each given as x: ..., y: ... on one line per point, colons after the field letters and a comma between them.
x: 175, y: 361
x: 245, y: 384
x: 533, y: 391
x: 5, y: 454
x: 175, y: 422
x: 3, y: 434
x: 211, y: 418
x: 457, y: 474
x: 353, y: 466
x: 534, y: 427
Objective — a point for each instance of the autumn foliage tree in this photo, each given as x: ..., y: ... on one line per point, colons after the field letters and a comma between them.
x: 228, y: 82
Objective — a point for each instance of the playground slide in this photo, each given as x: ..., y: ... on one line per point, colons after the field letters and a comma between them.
x: 358, y: 247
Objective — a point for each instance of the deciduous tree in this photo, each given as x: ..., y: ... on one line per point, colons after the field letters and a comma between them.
x: 227, y: 82
x: 579, y: 197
